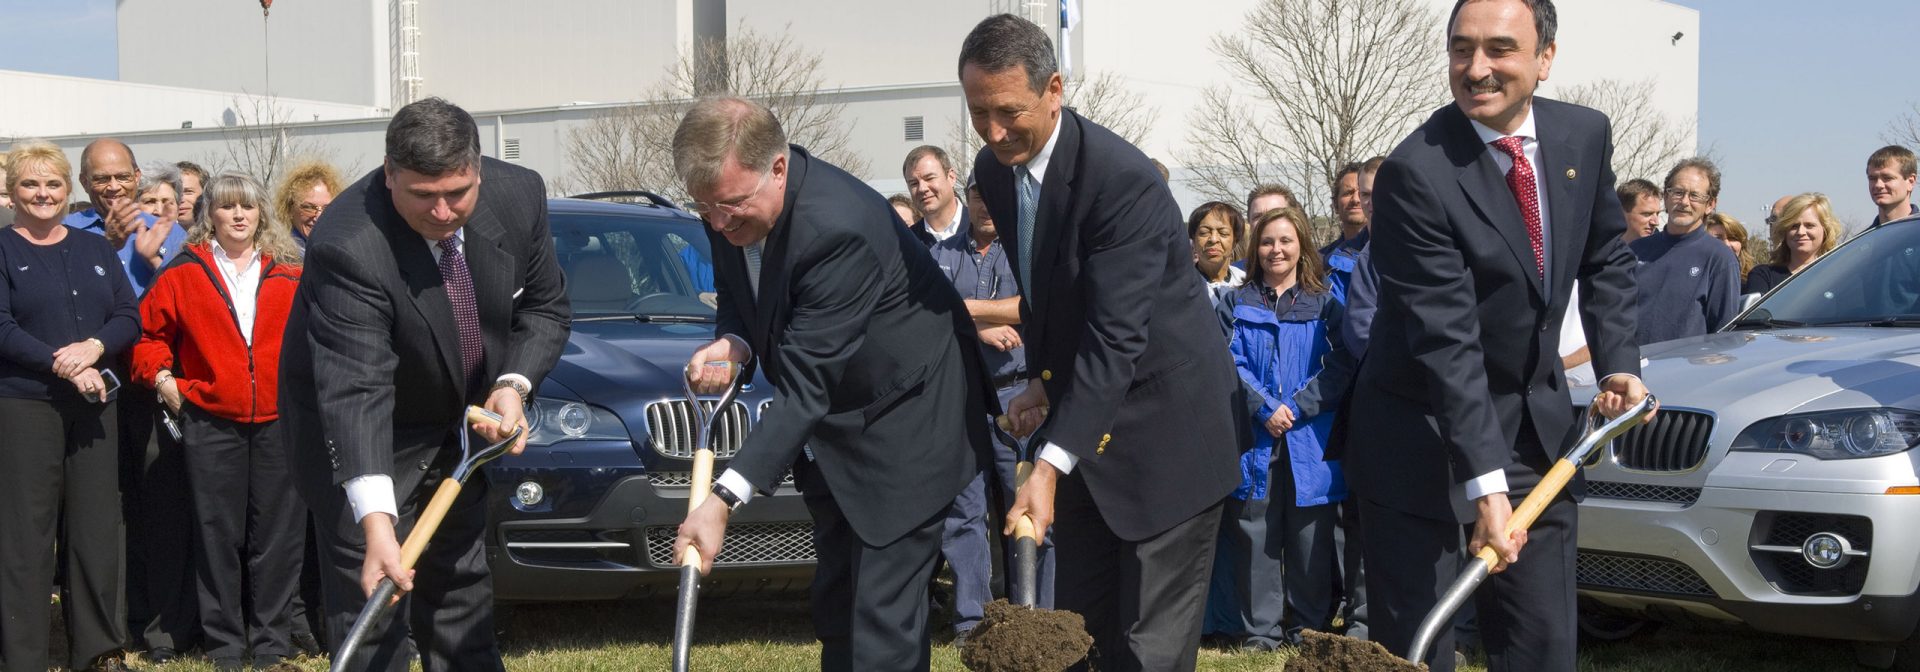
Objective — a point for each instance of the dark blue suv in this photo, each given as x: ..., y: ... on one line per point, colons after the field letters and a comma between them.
x: 590, y: 510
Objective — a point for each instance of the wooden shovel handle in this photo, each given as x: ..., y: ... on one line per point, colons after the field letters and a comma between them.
x: 429, y: 521
x: 1535, y: 503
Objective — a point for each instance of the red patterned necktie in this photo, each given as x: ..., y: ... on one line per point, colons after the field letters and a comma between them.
x: 466, y: 313
x: 1520, y: 180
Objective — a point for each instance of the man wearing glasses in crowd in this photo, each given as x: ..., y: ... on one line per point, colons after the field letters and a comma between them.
x: 1689, y: 282
x: 110, y: 176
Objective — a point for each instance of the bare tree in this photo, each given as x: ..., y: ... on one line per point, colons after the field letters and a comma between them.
x: 1318, y: 84
x: 1106, y: 99
x: 257, y: 139
x: 1904, y: 130
x: 1645, y: 142
x: 963, y: 143
x: 631, y: 146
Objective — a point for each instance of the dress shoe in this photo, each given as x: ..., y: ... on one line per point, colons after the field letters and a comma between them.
x: 307, y: 645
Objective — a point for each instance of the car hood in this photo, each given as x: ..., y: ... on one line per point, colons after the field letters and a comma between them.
x: 1782, y: 371
x: 607, y: 363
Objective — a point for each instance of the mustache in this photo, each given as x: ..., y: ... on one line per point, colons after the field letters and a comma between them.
x: 1489, y: 81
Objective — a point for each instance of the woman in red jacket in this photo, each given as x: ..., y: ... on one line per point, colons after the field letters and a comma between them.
x: 212, y: 326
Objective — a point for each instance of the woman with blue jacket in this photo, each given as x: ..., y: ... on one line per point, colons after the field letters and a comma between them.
x: 1284, y: 323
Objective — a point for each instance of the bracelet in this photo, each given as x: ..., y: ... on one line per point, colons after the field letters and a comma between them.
x: 514, y: 385
x: 162, y: 377
x: 103, y: 346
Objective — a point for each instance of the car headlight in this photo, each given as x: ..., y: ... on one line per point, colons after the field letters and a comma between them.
x: 554, y: 420
x: 1835, y: 435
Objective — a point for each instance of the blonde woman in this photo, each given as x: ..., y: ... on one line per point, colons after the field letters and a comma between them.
x: 1805, y: 231
x: 210, y: 345
x: 303, y: 196
x: 1726, y: 229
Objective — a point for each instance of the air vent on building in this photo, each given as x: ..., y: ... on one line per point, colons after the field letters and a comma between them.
x: 916, y: 129
x: 510, y: 150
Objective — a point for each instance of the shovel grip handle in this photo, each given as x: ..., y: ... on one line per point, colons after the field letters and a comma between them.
x: 430, y: 518
x: 477, y: 415
x: 1535, y: 503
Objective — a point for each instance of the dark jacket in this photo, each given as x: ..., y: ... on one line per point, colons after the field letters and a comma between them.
x: 871, y: 353
x: 1464, y: 350
x: 54, y: 295
x: 189, y: 327
x: 1691, y: 285
x: 370, y: 374
x: 1119, y: 329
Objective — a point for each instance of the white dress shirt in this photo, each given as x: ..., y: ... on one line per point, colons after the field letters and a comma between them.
x: 242, y: 278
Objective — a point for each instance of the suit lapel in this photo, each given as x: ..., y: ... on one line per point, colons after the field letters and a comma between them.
x: 426, y: 289
x: 1050, y: 215
x: 492, y: 269
x: 771, y: 302
x: 1484, y: 183
x: 1559, y: 156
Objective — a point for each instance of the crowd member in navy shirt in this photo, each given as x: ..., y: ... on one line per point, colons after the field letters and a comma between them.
x: 109, y: 175
x: 1340, y: 255
x: 65, y: 316
x: 1689, y: 282
x: 977, y: 264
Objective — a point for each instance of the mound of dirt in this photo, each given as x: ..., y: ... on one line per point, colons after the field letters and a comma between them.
x: 1012, y: 638
x: 1322, y: 652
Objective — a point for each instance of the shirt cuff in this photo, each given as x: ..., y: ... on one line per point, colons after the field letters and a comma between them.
x: 1059, y: 458
x: 372, y: 493
x: 736, y: 484
x: 519, y: 380
x: 1490, y: 483
x: 1603, y: 381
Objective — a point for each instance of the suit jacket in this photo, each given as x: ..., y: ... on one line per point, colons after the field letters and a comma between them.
x: 870, y: 351
x: 370, y: 370
x: 1465, y: 345
x: 1118, y: 327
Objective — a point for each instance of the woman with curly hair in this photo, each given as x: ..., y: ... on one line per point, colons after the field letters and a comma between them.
x: 1726, y: 229
x: 307, y: 191
x: 210, y: 345
x: 1805, y: 231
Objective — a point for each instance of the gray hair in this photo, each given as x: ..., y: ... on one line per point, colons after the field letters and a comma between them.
x: 433, y: 137
x: 158, y: 173
x: 1005, y: 41
x: 718, y: 128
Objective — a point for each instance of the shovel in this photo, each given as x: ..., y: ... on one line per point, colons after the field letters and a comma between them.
x: 702, y: 485
x: 1024, y: 588
x: 1523, y: 517
x: 381, y: 601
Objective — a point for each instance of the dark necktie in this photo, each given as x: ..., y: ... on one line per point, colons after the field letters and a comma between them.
x: 466, y: 314
x: 1520, y: 180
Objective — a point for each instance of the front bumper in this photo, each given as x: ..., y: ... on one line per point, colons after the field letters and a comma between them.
x: 606, y: 532
x: 1676, y: 561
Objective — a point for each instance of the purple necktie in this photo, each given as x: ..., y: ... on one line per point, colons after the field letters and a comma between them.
x: 466, y: 314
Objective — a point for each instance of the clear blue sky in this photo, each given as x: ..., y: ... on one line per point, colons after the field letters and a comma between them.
x: 1793, y: 96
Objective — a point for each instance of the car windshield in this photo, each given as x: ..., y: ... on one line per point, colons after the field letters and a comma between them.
x: 1873, y: 279
x: 626, y: 267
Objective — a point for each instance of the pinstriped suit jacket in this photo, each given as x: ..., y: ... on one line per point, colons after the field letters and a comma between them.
x: 369, y: 374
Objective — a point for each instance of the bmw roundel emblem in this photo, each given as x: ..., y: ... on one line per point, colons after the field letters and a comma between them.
x: 100, y: 271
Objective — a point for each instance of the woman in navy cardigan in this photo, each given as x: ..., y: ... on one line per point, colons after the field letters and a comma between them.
x: 66, y: 313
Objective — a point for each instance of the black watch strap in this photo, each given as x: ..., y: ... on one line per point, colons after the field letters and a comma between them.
x: 731, y: 500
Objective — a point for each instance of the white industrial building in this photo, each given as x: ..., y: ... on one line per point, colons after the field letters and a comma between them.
x: 531, y: 71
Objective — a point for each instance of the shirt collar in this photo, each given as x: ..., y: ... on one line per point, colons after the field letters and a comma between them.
x: 459, y: 240
x: 1488, y: 135
x: 1037, y: 166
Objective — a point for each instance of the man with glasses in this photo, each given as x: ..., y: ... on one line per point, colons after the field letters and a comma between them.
x: 1689, y: 282
x: 110, y: 176
x: 879, y: 404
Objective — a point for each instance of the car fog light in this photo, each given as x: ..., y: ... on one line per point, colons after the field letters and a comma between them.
x: 575, y: 420
x: 529, y: 493
x: 1826, y: 550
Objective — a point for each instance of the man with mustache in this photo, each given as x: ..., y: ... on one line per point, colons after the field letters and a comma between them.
x: 1488, y: 215
x: 1689, y: 282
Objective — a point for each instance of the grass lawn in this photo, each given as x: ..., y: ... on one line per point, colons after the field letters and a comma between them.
x: 751, y: 634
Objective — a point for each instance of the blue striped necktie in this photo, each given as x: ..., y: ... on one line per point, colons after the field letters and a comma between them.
x: 1023, y: 188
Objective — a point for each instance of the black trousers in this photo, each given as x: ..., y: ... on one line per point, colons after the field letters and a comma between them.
x: 61, y: 463
x: 1526, y: 613
x: 1144, y: 600
x: 869, y: 602
x: 248, y: 565
x: 449, y: 614
x: 163, y: 608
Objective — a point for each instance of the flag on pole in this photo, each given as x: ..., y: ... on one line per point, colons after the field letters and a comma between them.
x: 1069, y: 17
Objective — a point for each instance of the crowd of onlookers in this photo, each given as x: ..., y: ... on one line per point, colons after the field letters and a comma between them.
x: 141, y: 316
x: 1297, y: 311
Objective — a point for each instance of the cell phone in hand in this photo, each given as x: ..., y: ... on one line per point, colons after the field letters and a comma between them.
x: 173, y: 426
x: 113, y: 385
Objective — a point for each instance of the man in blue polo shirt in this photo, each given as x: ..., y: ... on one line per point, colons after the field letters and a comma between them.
x: 975, y: 262
x: 1689, y: 282
x: 1349, y: 208
x: 110, y: 176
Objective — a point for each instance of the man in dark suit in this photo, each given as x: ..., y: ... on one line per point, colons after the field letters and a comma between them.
x: 431, y: 285
x: 1485, y: 218
x: 1139, y: 448
x: 879, y: 402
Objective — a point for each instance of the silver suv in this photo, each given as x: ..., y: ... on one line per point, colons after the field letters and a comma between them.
x: 1777, y: 486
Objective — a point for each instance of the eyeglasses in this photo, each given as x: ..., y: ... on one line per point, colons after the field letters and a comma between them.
x: 104, y: 180
x: 730, y: 208
x: 312, y: 208
x: 1693, y: 197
